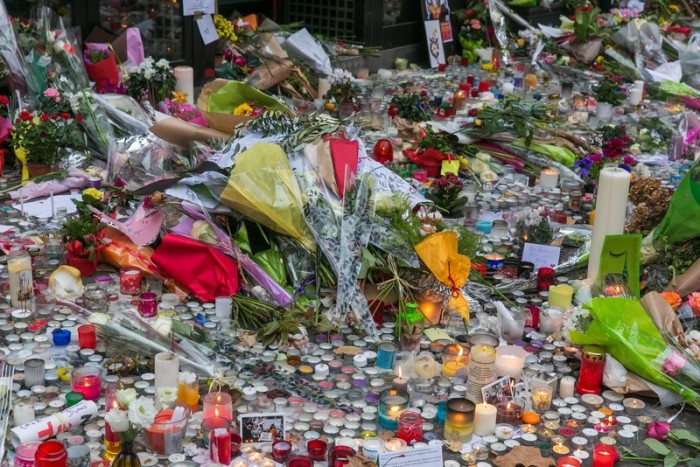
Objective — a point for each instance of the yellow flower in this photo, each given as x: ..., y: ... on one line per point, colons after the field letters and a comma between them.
x: 179, y: 97
x: 674, y: 8
x: 330, y: 106
x: 93, y: 193
x: 477, y: 122
x: 599, y: 60
x: 521, y: 42
x: 225, y: 29
x: 242, y: 110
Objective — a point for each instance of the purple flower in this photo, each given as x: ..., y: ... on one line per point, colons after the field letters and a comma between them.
x: 626, y: 167
x: 596, y: 157
x: 629, y: 160
x: 658, y: 430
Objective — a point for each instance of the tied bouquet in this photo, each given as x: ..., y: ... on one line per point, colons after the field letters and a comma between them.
x: 102, y: 68
x: 615, y: 150
x: 445, y: 193
x: 133, y: 415
x: 151, y: 80
x: 83, y: 233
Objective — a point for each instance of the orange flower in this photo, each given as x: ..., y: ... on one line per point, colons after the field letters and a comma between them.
x: 694, y: 302
x: 673, y: 299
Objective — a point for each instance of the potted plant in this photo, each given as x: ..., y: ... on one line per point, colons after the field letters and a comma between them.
x: 446, y: 192
x: 472, y: 34
x: 608, y: 96
x: 83, y: 235
x: 412, y: 106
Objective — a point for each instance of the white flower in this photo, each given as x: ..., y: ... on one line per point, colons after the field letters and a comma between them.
x: 117, y: 420
x: 58, y: 46
x: 142, y: 412
x: 163, y: 63
x: 187, y: 377
x: 149, y: 73
x: 146, y: 63
x: 126, y: 396
x: 167, y: 395
x: 163, y: 325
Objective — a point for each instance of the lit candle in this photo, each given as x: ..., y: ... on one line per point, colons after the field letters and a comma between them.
x: 504, y: 431
x: 395, y: 445
x: 549, y: 178
x: 399, y: 382
x: 188, y: 390
x: 87, y: 381
x: 431, y: 304
x: 581, y: 455
x: 217, y: 404
x: 485, y: 419
x: 633, y: 406
x: 568, y: 461
x: 459, y: 422
x: 541, y: 398
x: 167, y: 370
x: 392, y: 402
x: 111, y: 439
x: 560, y: 450
x: 482, y: 370
x: 220, y: 446
x: 450, y: 366
x: 566, y: 386
x: 509, y: 412
x: 602, y: 428
x: 603, y: 455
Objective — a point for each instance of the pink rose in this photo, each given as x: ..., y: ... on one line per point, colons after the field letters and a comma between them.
x: 658, y: 430
x: 52, y: 92
x: 673, y: 364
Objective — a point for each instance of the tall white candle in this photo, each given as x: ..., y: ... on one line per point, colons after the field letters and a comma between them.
x: 610, y: 211
x: 167, y: 370
x: 566, y: 387
x: 184, y: 81
x: 484, y: 419
x: 323, y: 87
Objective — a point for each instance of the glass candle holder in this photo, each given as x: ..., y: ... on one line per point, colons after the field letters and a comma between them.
x: 410, y: 428
x: 188, y: 390
x: 218, y: 404
x: 340, y: 456
x: 459, y: 421
x: 299, y: 461
x: 88, y: 381
x: 111, y: 439
x: 24, y: 454
x: 454, y: 358
x: 546, y: 277
x: 220, y: 446
x: 73, y: 398
x: 281, y: 450
x: 603, y: 455
x: 592, y: 365
x: 392, y: 403
x: 34, y: 369
x: 51, y: 453
x: 317, y: 449
x: 509, y: 412
x: 432, y: 305
x: 482, y: 368
x: 148, y: 304
x: 541, y: 398
x: 167, y: 434
x: 386, y: 354
x: 551, y: 320
x: 87, y: 336
x: 510, y: 360
x: 236, y: 442
x: 95, y: 299
x: 130, y: 281
x: 211, y: 424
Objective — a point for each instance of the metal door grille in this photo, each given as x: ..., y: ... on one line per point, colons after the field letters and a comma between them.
x: 334, y: 18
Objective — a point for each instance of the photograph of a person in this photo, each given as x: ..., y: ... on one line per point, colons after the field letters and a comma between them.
x: 261, y: 428
x: 436, y: 9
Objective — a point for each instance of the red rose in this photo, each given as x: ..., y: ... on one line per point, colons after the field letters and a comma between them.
x: 469, y: 13
x: 54, y: 116
x: 4, y: 100
x: 44, y: 117
x: 79, y: 118
x: 65, y: 115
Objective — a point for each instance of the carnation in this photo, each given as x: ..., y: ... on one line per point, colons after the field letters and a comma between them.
x: 126, y: 397
x: 117, y: 419
x: 142, y: 412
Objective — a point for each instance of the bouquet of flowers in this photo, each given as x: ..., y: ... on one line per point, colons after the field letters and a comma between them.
x: 151, y: 80
x: 178, y: 107
x: 102, y: 68
x: 532, y: 226
x: 445, y: 193
x: 133, y: 415
x: 473, y: 32
x: 615, y: 150
x: 609, y: 91
x: 225, y: 29
x: 343, y: 87
x: 413, y: 106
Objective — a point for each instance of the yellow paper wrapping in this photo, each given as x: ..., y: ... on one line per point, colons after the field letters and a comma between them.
x: 21, y: 155
x: 263, y: 188
x: 440, y: 254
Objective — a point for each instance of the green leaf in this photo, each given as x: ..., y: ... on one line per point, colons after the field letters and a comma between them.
x: 671, y: 459
x: 694, y: 462
x: 657, y: 446
x: 685, y: 435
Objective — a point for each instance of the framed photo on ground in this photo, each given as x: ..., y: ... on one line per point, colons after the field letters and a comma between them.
x: 257, y: 428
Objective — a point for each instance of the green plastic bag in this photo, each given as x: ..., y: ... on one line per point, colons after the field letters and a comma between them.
x: 682, y: 219
x: 234, y: 93
x: 627, y: 332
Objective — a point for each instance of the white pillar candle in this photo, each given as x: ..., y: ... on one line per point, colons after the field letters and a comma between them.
x: 549, y: 178
x: 484, y: 419
x: 167, y: 370
x: 223, y: 307
x: 23, y: 413
x: 323, y: 87
x: 566, y: 387
x: 636, y: 96
x: 610, y: 211
x: 184, y: 81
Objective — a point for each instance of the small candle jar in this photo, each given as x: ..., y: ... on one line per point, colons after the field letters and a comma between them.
x: 317, y: 450
x: 603, y: 455
x: 509, y: 412
x: 392, y: 403
x: 281, y: 450
x: 148, y: 304
x: 87, y: 380
x: 545, y: 278
x: 130, y: 281
x: 431, y: 304
x: 454, y: 358
x: 218, y: 404
x: 87, y: 337
x: 541, y: 398
x: 591, y: 374
x: 220, y: 446
x: 459, y: 421
x: 410, y: 427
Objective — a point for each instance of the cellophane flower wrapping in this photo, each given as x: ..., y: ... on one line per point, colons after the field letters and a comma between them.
x: 626, y: 331
x: 682, y: 220
x: 135, y: 161
x: 20, y: 80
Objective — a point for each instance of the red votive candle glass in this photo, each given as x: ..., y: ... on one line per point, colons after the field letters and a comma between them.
x: 148, y: 304
x: 51, y: 453
x: 317, y: 449
x: 442, y: 67
x: 220, y: 446
x: 383, y: 151
x: 340, y: 456
x: 87, y: 381
x: 603, y: 455
x: 300, y: 461
x: 130, y: 281
x: 236, y: 442
x: 590, y: 378
x: 545, y: 278
x: 281, y: 450
x: 568, y: 461
x: 410, y: 427
x: 87, y: 338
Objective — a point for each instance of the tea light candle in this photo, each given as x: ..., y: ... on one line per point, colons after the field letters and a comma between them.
x: 217, y: 404
x: 609, y: 440
x: 622, y: 420
x: 590, y: 434
x: 579, y: 441
x: 527, y: 428
x: 504, y: 431
x: 581, y: 455
x: 644, y: 420
x: 560, y: 450
x: 528, y: 439
x: 602, y: 428
x: 592, y: 401
x: 633, y: 406
x: 87, y: 381
x: 399, y: 382
x: 485, y: 419
x: 509, y: 412
x: 395, y: 445
x: 612, y: 396
x: 549, y: 178
x: 551, y: 425
x: 625, y: 437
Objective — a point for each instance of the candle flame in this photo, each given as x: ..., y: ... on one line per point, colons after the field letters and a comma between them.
x: 216, y: 412
x: 399, y: 372
x: 610, y: 419
x: 508, y: 406
x: 461, y: 351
